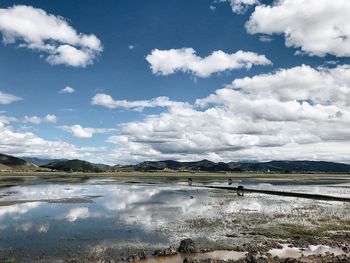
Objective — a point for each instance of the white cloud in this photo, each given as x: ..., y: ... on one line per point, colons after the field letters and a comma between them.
x: 21, y: 143
x: 81, y: 132
x: 296, y: 113
x: 67, y: 90
x: 7, y: 119
x: 317, y: 27
x: 131, y: 47
x: 49, y: 118
x: 265, y: 38
x: 240, y: 6
x: 165, y: 62
x: 107, y: 101
x: 35, y: 29
x: 32, y: 119
x: 28, y: 144
x: 6, y: 98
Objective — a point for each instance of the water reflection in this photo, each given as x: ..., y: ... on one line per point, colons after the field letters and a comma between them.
x: 126, y: 216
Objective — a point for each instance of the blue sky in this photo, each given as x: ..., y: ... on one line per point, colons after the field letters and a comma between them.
x: 125, y: 34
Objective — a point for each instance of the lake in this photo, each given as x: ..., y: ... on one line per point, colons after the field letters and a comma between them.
x: 46, y: 220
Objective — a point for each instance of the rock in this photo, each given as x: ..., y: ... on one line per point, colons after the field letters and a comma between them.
x: 187, y: 246
x: 165, y: 252
x: 133, y: 258
x: 291, y: 260
x: 142, y: 255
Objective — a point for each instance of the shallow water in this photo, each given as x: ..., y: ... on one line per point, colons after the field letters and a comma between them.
x: 295, y: 252
x: 119, y: 216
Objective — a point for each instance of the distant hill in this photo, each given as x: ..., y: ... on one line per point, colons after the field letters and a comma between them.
x: 203, y: 165
x: 272, y: 166
x: 297, y: 166
x: 103, y: 167
x: 11, y: 163
x: 41, y: 161
x: 74, y: 166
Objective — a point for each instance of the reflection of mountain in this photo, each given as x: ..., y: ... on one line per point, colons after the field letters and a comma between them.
x: 10, y: 163
x: 273, y: 166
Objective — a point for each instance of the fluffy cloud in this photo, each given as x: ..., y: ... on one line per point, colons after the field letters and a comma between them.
x: 35, y: 29
x: 6, y: 98
x: 21, y: 143
x: 81, y: 132
x: 296, y: 113
x: 317, y: 27
x: 107, y: 101
x: 49, y: 118
x: 240, y: 6
x: 165, y: 62
x: 67, y: 90
x: 28, y: 144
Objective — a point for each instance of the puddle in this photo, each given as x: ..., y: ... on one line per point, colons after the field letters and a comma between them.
x: 217, y: 254
x: 295, y: 252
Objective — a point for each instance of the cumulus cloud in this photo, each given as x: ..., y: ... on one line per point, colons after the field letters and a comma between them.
x: 317, y: 27
x: 19, y: 143
x: 107, y: 101
x: 29, y: 144
x: 67, y: 90
x: 35, y: 29
x: 81, y: 132
x: 240, y: 6
x: 6, y: 98
x: 296, y: 113
x: 49, y: 118
x: 165, y: 62
x: 7, y: 119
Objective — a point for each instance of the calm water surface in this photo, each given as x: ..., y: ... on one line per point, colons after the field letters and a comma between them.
x: 119, y: 216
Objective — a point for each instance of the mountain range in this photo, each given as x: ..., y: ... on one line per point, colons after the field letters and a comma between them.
x: 272, y: 166
x: 11, y: 163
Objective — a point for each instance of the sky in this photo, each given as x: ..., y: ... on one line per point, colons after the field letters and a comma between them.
x: 121, y: 82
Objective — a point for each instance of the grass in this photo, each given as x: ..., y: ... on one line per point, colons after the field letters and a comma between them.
x: 298, y: 177
x: 303, y: 231
x: 8, y: 261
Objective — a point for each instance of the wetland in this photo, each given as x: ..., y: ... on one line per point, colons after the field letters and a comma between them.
x: 109, y: 218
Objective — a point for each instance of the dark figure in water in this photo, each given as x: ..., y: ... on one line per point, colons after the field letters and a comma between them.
x: 229, y: 181
x: 240, y: 190
x: 190, y: 181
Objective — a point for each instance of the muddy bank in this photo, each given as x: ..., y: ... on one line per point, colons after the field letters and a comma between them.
x: 332, y: 249
x: 335, y: 249
x: 328, y: 250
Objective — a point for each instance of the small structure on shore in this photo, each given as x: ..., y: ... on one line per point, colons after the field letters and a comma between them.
x: 189, y: 181
x: 240, y: 190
